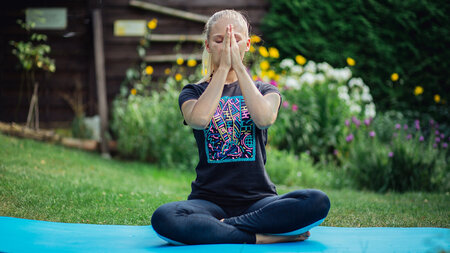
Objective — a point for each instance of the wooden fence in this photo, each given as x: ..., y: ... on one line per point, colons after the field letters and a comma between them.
x: 73, y: 49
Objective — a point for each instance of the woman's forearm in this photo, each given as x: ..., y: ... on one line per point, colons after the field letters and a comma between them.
x: 204, y: 108
x: 263, y: 110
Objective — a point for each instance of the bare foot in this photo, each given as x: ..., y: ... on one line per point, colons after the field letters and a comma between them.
x: 263, y: 239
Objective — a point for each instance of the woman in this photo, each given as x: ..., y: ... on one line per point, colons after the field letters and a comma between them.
x: 232, y: 198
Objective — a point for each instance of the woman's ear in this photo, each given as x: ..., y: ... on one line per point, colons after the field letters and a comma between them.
x: 248, y: 45
x: 207, y: 46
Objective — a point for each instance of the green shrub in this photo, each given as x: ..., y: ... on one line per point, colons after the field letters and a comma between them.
x: 383, y: 37
x: 151, y: 128
x: 316, y: 100
x: 387, y: 155
x: 288, y: 169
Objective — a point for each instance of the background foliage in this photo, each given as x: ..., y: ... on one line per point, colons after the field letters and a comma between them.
x: 409, y: 38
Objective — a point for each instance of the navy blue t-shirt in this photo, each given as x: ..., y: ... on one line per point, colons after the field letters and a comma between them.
x: 231, y: 150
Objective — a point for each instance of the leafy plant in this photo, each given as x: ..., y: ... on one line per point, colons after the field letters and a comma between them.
x: 32, y: 55
x: 399, y: 159
x: 403, y: 73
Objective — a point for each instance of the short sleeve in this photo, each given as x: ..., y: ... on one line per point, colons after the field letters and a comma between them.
x: 266, y: 88
x: 187, y: 93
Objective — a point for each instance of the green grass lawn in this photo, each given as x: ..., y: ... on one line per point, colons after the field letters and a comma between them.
x: 48, y: 182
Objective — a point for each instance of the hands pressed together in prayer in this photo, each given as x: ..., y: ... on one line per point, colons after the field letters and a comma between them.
x: 231, y: 57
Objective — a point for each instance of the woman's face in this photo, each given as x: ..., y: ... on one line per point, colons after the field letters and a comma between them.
x: 217, y: 37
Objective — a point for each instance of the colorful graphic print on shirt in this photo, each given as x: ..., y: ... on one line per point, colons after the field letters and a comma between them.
x: 230, y: 136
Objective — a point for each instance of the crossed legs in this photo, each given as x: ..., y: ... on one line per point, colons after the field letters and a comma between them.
x: 272, y: 219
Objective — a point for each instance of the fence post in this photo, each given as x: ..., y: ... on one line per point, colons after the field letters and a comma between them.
x: 100, y: 80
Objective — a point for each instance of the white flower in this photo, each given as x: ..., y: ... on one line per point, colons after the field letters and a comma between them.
x: 356, y: 82
x: 310, y: 67
x: 320, y: 78
x: 324, y: 66
x: 287, y: 63
x: 297, y: 70
x: 292, y: 83
x: 343, y: 89
x: 344, y: 96
x: 307, y: 78
x: 355, y: 108
x: 370, y: 110
x: 344, y: 74
x: 366, y: 97
x: 355, y: 95
x: 366, y: 89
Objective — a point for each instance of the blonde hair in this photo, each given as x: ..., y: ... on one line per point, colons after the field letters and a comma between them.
x: 207, y: 70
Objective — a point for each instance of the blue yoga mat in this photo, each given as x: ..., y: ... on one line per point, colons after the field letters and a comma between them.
x: 22, y: 235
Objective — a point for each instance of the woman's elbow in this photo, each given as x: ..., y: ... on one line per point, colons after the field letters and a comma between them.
x: 198, y: 123
x: 266, y: 123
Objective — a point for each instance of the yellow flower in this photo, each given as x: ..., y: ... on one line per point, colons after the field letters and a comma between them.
x: 273, y: 52
x: 255, y: 39
x: 300, y: 59
x: 252, y: 48
x: 437, y: 98
x: 264, y: 65
x: 133, y: 91
x: 350, y: 61
x: 180, y: 61
x: 152, y: 24
x: 39, y: 64
x: 149, y: 70
x: 418, y: 90
x: 271, y: 74
x: 277, y: 77
x: 178, y: 77
x: 263, y: 74
x: 394, y: 77
x: 263, y: 51
x: 205, y: 72
x: 191, y: 62
x: 255, y: 77
x: 167, y: 71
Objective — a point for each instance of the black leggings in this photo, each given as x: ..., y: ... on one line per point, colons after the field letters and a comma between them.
x: 197, y: 221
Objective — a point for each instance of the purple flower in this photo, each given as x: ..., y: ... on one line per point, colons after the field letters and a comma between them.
x: 347, y: 122
x: 335, y: 152
x: 367, y: 122
x: 442, y: 136
x: 397, y: 126
x: 437, y: 139
x: 391, y: 154
x: 349, y: 138
x: 356, y: 121
x: 421, y: 138
x: 435, y: 145
x: 431, y: 122
x: 408, y: 137
x: 372, y: 134
x: 436, y: 132
x: 445, y: 145
x: 417, y: 124
x: 405, y: 127
x: 294, y: 107
x: 274, y: 83
x: 285, y: 104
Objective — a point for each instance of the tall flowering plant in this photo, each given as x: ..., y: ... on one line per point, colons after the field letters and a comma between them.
x: 316, y: 100
x: 388, y: 154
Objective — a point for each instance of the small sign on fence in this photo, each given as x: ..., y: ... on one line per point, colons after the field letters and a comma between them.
x: 47, y: 18
x: 130, y: 27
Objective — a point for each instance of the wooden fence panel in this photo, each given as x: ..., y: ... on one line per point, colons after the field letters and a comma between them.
x: 72, y: 49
